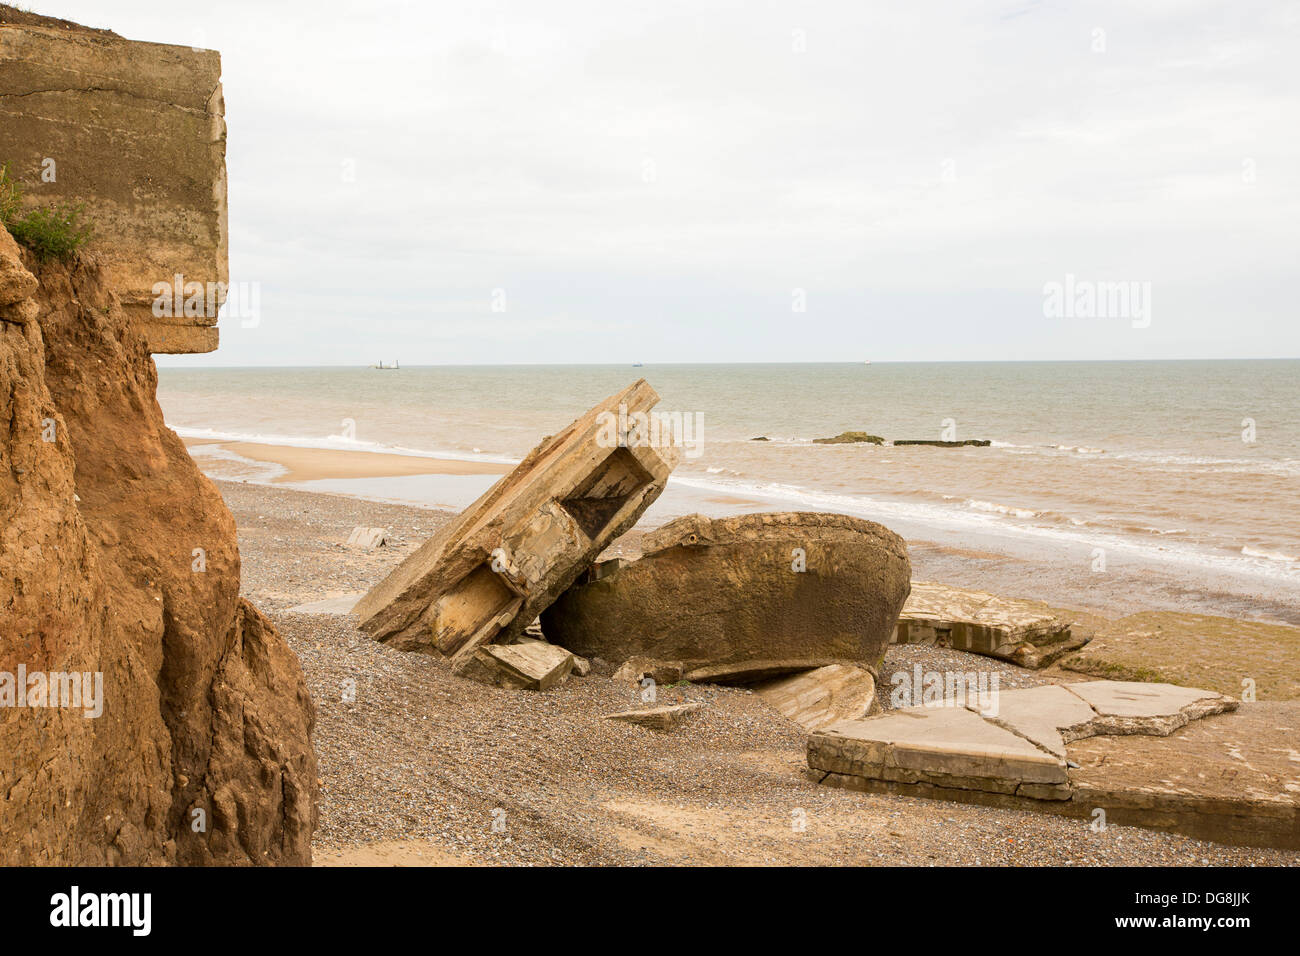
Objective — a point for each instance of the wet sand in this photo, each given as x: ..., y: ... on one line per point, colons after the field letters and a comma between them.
x: 321, y: 464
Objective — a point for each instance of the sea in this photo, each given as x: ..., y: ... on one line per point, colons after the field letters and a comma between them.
x: 1178, y: 477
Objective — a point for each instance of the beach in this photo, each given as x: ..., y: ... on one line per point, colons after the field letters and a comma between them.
x: 413, y: 768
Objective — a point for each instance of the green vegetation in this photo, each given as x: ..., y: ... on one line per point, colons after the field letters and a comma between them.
x: 52, y: 233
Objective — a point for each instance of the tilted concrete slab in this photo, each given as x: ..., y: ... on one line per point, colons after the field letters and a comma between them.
x: 821, y: 697
x: 484, y: 577
x: 1027, y: 633
x: 136, y: 133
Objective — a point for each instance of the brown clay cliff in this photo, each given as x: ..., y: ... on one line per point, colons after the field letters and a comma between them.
x: 118, y: 562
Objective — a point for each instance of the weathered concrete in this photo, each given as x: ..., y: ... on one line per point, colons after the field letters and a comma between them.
x: 821, y: 697
x: 486, y: 575
x: 136, y: 133
x: 528, y: 665
x: 1230, y: 777
x: 1027, y: 633
x: 1024, y: 752
x: 943, y: 745
x: 656, y: 718
x: 367, y: 539
x: 741, y: 599
x: 1043, y: 716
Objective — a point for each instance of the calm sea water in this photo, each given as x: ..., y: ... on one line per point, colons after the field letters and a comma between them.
x: 1192, y: 462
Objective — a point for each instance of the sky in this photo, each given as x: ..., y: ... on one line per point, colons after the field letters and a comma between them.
x: 609, y: 182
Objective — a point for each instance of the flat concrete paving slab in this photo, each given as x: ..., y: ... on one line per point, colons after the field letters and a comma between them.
x: 1153, y: 755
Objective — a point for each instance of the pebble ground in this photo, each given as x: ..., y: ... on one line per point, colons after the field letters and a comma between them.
x: 423, y: 767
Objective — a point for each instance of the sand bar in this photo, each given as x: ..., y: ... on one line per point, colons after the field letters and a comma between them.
x: 314, y: 464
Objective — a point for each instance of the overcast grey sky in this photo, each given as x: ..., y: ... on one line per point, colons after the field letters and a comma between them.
x: 653, y: 181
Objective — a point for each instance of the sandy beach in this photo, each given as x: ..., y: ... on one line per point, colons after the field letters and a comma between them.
x: 412, y: 770
x: 321, y: 464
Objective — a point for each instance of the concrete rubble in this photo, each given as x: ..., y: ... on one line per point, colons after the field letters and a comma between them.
x: 742, y: 599
x: 818, y: 698
x: 663, y: 718
x: 1019, y: 741
x: 1027, y: 633
x: 488, y: 574
x: 367, y: 539
x: 528, y: 665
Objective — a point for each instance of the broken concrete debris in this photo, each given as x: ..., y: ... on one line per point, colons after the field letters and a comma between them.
x: 528, y: 665
x: 741, y: 599
x: 656, y: 718
x: 485, y: 576
x: 821, y: 697
x: 367, y: 539
x: 1027, y: 633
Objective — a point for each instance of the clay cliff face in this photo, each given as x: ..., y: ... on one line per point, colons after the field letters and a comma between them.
x: 118, y: 557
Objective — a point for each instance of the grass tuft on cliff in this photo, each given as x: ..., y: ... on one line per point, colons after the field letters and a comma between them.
x: 52, y: 233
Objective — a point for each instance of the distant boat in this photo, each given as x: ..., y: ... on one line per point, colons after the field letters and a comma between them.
x: 396, y: 366
x: 637, y: 364
x: 867, y: 362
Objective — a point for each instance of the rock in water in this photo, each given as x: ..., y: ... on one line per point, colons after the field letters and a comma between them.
x: 743, y: 598
x: 118, y: 558
x: 849, y: 438
x: 486, y: 575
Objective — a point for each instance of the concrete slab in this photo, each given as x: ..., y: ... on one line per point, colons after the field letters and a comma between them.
x: 1232, y: 778
x: 1148, y: 754
x: 656, y: 718
x: 1142, y: 708
x: 744, y: 598
x: 488, y: 574
x: 1041, y: 715
x: 940, y: 743
x: 367, y: 539
x: 135, y: 133
x: 821, y: 697
x: 1027, y: 633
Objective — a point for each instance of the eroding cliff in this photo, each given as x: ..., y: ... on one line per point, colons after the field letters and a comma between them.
x: 118, y: 558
